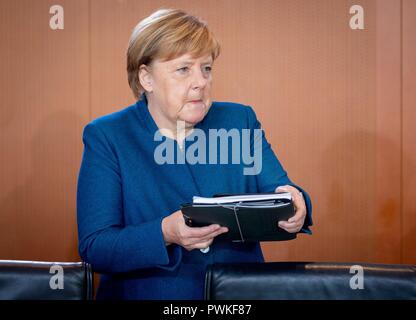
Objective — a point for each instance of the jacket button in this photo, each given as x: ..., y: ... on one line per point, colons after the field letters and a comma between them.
x: 205, y: 250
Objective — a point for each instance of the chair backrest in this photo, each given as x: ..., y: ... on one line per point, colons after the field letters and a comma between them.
x: 37, y: 280
x: 309, y: 281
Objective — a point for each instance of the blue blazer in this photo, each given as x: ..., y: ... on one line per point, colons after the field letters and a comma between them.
x: 123, y: 195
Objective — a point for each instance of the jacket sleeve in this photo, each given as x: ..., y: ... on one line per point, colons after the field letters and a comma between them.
x: 271, y: 173
x: 104, y: 241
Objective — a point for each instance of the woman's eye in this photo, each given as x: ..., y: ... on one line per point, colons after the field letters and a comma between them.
x: 183, y: 70
x: 208, y: 69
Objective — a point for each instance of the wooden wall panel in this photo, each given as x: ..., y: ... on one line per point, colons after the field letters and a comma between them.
x: 388, y: 211
x: 409, y: 132
x: 44, y: 105
x: 321, y: 121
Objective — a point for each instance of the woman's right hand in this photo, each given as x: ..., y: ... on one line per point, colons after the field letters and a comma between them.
x: 176, y: 231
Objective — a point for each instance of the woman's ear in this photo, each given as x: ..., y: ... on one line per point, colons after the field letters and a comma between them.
x: 145, y: 78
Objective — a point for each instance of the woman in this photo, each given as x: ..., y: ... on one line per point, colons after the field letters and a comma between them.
x: 130, y: 225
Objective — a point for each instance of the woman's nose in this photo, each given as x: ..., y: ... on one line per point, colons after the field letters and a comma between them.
x: 199, y: 80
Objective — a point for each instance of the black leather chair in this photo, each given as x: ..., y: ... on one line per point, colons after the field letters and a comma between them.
x: 35, y: 280
x: 309, y: 281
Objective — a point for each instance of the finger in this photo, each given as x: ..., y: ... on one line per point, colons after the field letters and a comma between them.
x: 287, y: 225
x: 297, y: 197
x: 296, y: 194
x: 290, y: 227
x: 299, y: 216
x: 300, y: 207
x: 218, y: 232
x: 210, y: 236
x: 287, y: 188
x: 193, y: 240
x: 200, y: 232
x: 282, y: 189
x: 299, y: 204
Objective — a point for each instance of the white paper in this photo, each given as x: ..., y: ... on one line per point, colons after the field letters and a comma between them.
x: 242, y: 198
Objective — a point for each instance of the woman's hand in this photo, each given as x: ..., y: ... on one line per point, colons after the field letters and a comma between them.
x: 176, y: 231
x: 295, y: 223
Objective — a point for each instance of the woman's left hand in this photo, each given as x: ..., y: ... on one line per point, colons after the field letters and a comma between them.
x: 295, y: 223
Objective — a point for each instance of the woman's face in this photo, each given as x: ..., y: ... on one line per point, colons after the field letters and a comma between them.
x: 179, y: 89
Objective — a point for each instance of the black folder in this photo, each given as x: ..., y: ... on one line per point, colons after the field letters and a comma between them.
x: 246, y: 221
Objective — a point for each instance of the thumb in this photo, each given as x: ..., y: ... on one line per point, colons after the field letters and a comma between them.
x: 282, y: 188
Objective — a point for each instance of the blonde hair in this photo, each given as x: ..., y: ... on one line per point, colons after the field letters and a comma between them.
x: 167, y: 34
